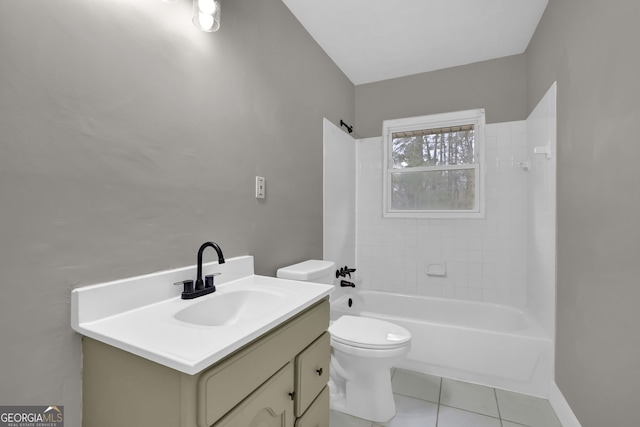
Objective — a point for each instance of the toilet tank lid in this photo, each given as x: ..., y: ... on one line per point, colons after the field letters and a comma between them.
x: 307, y: 270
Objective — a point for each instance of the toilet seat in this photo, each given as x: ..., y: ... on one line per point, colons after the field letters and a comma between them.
x: 368, y: 333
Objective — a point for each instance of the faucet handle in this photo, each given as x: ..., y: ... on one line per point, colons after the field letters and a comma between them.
x: 188, y: 286
x: 344, y: 272
x: 208, y: 280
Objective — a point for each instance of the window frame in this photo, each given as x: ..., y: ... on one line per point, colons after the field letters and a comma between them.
x: 474, y: 117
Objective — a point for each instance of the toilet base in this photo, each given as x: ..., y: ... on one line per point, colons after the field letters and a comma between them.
x: 368, y: 397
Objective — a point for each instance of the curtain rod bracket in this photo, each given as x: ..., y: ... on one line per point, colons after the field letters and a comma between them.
x: 349, y: 128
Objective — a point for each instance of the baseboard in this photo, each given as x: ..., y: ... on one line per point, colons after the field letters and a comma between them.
x: 562, y: 408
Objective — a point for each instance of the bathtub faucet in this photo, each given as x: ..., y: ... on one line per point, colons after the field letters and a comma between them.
x: 344, y: 272
x: 346, y: 284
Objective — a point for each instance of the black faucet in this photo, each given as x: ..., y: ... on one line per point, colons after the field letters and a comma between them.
x: 346, y: 284
x: 344, y: 272
x: 199, y: 282
x: 202, y: 287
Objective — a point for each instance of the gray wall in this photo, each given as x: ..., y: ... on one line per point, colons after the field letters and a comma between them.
x: 591, y: 49
x: 498, y: 85
x: 128, y: 138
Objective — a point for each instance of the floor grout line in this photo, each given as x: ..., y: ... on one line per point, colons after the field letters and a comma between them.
x: 425, y: 397
x: 439, y: 399
x: 495, y: 395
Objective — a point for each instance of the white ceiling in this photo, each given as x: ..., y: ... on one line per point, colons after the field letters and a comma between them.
x: 373, y: 40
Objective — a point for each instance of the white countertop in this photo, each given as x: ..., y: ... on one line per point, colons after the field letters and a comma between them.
x: 137, y: 314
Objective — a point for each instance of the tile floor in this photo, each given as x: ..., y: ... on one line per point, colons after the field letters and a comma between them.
x: 427, y: 401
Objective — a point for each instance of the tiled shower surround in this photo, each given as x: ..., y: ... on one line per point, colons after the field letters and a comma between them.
x: 485, y: 258
x: 508, y: 257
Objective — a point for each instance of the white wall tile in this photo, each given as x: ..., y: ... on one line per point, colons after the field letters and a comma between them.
x: 478, y: 253
x: 506, y: 257
x: 339, y: 182
x: 540, y: 289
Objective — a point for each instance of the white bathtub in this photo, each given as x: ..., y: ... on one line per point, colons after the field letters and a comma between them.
x: 489, y: 344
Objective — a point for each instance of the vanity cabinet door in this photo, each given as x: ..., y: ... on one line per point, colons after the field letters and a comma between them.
x: 230, y: 381
x: 312, y: 372
x: 271, y: 405
x: 318, y: 413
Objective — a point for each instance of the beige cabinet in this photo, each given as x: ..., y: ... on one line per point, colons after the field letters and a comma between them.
x: 269, y: 406
x: 318, y: 413
x: 271, y: 381
x: 312, y: 372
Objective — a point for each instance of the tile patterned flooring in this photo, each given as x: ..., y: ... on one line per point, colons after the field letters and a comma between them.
x: 427, y: 401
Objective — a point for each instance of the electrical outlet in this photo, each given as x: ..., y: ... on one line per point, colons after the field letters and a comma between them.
x: 260, y: 187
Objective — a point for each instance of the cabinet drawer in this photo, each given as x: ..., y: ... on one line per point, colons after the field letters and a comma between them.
x: 312, y: 372
x: 318, y: 413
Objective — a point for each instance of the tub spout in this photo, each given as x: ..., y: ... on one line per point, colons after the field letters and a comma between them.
x: 347, y: 284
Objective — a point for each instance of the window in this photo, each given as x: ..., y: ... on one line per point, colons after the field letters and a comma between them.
x: 433, y: 166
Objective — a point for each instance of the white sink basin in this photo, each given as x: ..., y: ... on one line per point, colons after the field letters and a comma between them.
x: 223, y: 309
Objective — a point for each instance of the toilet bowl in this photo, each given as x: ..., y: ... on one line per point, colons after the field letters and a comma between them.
x: 363, y: 351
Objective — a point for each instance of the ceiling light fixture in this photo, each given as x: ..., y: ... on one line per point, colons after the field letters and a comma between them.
x: 206, y: 15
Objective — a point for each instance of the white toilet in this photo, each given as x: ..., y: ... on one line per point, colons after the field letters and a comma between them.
x: 363, y: 351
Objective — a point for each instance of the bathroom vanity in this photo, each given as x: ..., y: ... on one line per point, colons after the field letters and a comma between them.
x: 276, y: 376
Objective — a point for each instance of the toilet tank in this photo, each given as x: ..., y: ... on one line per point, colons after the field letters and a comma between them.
x: 313, y: 270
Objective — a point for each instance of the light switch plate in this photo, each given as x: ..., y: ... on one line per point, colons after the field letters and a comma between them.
x: 260, y: 187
